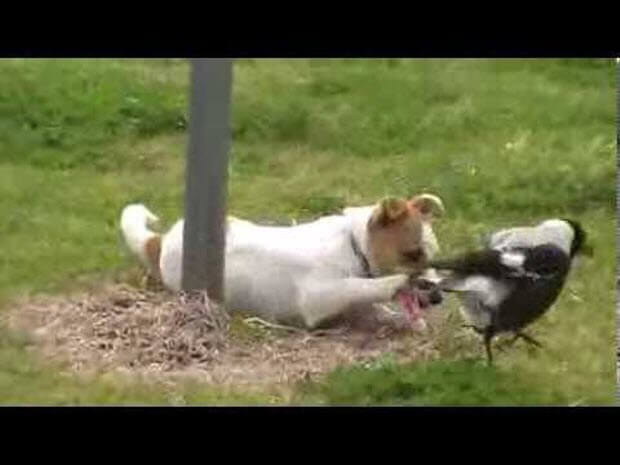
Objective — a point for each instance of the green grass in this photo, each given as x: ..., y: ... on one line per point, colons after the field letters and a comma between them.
x: 445, y: 383
x: 502, y: 141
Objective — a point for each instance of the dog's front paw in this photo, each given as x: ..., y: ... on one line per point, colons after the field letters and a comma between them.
x: 401, y: 283
x: 419, y: 325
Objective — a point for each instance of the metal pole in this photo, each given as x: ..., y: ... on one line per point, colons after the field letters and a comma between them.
x: 206, y: 178
x: 617, y: 231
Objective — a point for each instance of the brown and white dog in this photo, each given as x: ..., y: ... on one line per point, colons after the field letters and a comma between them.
x: 309, y: 273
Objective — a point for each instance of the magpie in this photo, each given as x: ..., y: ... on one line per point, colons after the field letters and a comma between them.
x: 515, y: 278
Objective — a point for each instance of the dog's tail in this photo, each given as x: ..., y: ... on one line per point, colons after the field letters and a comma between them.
x: 144, y: 243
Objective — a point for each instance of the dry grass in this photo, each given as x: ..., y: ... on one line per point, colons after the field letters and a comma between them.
x: 121, y: 329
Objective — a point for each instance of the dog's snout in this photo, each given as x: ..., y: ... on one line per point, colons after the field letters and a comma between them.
x: 424, y: 284
x: 430, y: 290
x: 415, y: 255
x: 435, y: 297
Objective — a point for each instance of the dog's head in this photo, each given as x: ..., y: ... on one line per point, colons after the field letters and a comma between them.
x: 400, y: 235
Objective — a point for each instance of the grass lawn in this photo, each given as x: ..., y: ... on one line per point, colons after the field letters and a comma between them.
x: 501, y: 141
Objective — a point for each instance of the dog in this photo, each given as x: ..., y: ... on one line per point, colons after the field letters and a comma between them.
x: 308, y: 274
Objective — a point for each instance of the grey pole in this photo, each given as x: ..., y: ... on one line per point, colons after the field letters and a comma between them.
x: 206, y: 177
x: 617, y: 231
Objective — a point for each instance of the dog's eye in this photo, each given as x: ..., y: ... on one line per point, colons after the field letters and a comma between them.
x: 414, y: 255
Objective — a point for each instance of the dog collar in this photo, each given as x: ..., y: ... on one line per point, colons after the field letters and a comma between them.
x: 359, y: 254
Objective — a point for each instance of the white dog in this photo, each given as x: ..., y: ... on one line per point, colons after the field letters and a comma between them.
x: 310, y: 273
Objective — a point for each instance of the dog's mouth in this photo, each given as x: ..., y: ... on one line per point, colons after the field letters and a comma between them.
x: 410, y: 303
x: 416, y: 300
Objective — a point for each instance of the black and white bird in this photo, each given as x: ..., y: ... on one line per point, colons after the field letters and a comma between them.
x: 515, y: 278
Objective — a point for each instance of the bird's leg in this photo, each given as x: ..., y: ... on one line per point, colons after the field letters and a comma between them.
x: 488, y: 336
x: 529, y: 339
x: 509, y: 343
x: 475, y: 328
x: 520, y: 335
x: 501, y: 346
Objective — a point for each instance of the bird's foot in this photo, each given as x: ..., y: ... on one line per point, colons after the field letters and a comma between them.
x: 528, y: 339
x: 488, y: 334
x: 473, y: 327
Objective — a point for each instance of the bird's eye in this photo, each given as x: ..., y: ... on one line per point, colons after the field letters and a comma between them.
x: 414, y: 255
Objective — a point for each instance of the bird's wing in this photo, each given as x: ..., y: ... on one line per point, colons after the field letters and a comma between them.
x: 515, y: 261
x: 512, y: 262
x: 546, y: 261
x: 487, y: 291
x: 480, y: 277
x: 492, y: 263
x: 478, y: 262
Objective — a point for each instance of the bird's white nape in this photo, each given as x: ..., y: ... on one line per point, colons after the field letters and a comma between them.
x: 563, y: 232
x: 553, y: 231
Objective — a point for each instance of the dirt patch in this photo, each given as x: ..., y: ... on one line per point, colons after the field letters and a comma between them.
x: 123, y: 329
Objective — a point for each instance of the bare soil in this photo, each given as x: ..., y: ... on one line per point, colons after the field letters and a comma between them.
x: 122, y: 329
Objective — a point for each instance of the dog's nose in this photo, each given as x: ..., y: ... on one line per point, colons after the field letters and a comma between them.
x: 435, y: 297
x: 424, y: 284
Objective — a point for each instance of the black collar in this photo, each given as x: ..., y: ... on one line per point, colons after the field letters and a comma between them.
x: 359, y: 254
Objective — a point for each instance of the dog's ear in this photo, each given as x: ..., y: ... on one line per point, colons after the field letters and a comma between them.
x: 429, y: 205
x: 388, y: 211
